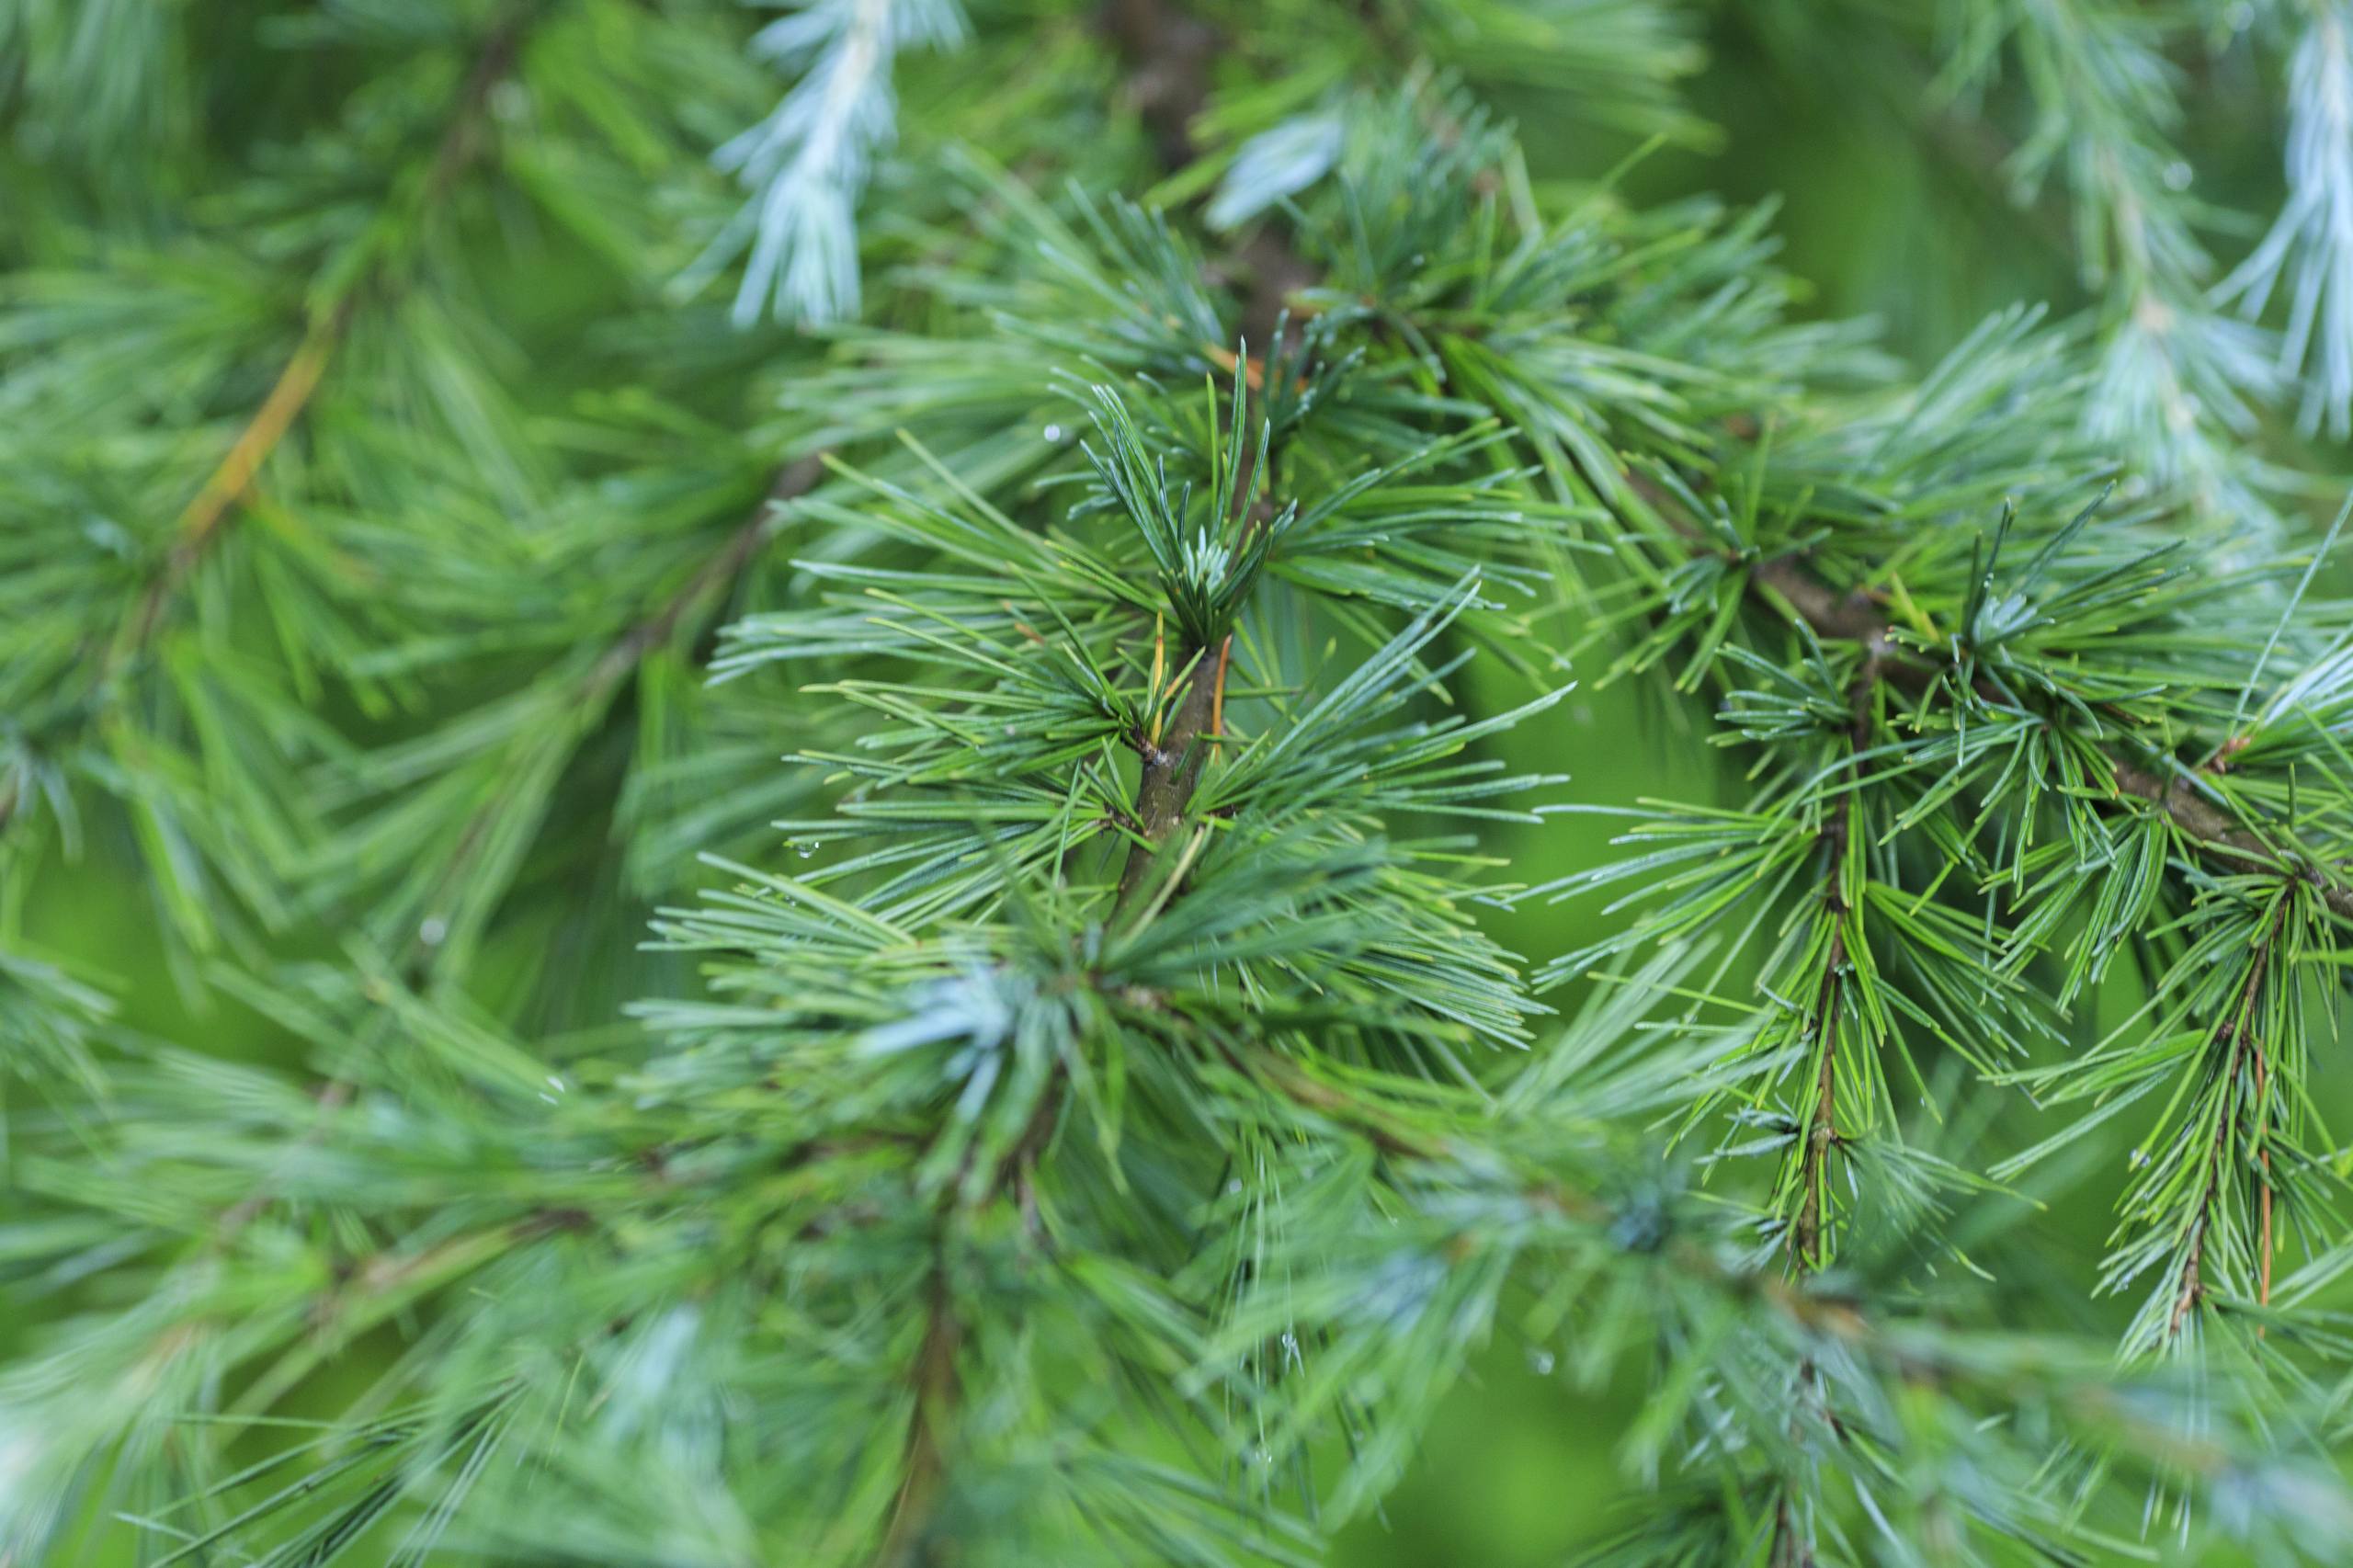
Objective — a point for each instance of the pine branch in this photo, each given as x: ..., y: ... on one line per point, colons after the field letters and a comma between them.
x: 597, y: 686
x: 1169, y: 51
x: 717, y: 574
x: 1793, y: 1546
x: 2168, y: 1210
x: 938, y: 1389
x: 1853, y: 616
x: 1173, y: 759
x: 1820, y: 1136
x: 2307, y: 247
x: 200, y: 523
x: 2222, y: 837
x: 2247, y: 1049
x: 806, y: 164
x: 206, y: 513
x: 1131, y: 1133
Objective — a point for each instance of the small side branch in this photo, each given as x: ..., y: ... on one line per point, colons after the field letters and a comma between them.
x: 2220, y: 837
x: 604, y: 679
x: 2247, y: 1053
x: 1822, y: 1131
x: 717, y: 574
x: 202, y: 521
x: 1169, y: 51
x: 1854, y: 618
x: 937, y: 1390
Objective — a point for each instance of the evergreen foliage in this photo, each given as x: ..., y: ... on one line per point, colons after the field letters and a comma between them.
x: 876, y: 773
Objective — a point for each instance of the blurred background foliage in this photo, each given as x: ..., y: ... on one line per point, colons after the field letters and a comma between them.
x: 197, y: 184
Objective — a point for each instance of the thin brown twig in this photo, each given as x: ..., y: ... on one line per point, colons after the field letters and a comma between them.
x: 1822, y: 1135
x: 2211, y: 832
x: 796, y: 478
x: 2263, y: 1195
x: 1172, y: 766
x: 1169, y: 52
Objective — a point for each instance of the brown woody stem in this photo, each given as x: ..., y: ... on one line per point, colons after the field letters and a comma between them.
x: 1822, y: 1132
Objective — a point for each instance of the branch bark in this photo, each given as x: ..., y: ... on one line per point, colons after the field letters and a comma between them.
x: 1171, y: 770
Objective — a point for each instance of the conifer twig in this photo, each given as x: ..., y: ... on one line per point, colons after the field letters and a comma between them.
x: 1822, y: 1135
x: 1854, y: 618
x: 720, y: 570
x: 201, y: 522
x: 1822, y: 1132
x: 1169, y: 51
x: 937, y: 1388
x: 1080, y: 1145
x: 625, y: 653
x: 202, y: 518
x: 2246, y: 1049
